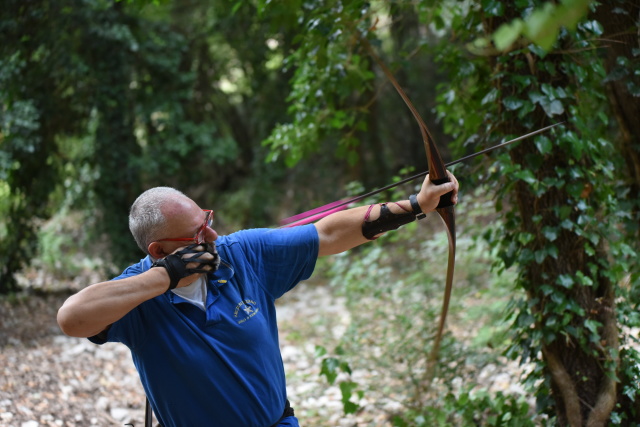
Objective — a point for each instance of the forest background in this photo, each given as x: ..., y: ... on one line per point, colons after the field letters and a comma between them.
x: 261, y: 109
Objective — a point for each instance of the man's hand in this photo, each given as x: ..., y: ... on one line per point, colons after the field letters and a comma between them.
x: 185, y: 264
x: 430, y: 193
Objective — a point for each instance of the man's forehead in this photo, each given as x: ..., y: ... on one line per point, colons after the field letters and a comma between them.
x: 183, y: 212
x: 178, y: 205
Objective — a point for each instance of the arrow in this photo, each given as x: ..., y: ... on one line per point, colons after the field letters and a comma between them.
x: 322, y: 211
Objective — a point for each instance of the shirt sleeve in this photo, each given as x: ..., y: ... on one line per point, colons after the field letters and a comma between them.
x: 280, y: 258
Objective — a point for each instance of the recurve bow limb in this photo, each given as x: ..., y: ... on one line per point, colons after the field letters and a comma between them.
x: 438, y: 175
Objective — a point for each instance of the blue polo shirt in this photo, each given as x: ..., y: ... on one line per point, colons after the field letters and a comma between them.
x: 221, y: 367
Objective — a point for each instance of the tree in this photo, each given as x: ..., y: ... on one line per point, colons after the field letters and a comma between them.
x: 40, y: 102
x: 558, y: 192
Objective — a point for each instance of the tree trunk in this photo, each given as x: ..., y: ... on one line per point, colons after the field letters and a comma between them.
x: 622, y: 37
x: 582, y: 391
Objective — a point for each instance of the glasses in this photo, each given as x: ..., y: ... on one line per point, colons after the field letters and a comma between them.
x: 200, y: 234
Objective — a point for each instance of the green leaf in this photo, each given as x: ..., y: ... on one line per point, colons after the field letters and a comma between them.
x: 583, y: 279
x: 526, y: 176
x: 542, y: 28
x: 329, y: 369
x: 346, y: 388
x: 565, y: 281
x: 350, y: 407
x: 493, y: 7
x: 546, y: 290
x: 490, y: 97
x: 507, y: 34
x: 594, y: 26
x: 630, y: 392
x: 512, y: 103
x: 551, y: 321
x: 559, y: 299
x: 525, y: 238
x: 592, y: 325
x: 320, y: 351
x: 633, y: 88
x: 544, y: 145
x: 551, y: 233
x: 344, y: 367
x: 553, y: 251
x: 552, y: 107
x: 536, y: 97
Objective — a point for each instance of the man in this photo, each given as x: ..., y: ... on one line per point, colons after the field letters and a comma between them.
x: 198, y: 313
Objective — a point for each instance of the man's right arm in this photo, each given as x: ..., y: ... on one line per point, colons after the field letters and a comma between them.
x: 96, y: 307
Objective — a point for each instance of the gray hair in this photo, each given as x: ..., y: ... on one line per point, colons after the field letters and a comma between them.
x: 146, y: 218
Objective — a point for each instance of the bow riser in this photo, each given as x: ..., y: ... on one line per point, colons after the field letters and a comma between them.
x: 437, y: 168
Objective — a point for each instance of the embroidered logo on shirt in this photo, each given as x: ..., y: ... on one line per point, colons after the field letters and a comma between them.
x: 249, y: 309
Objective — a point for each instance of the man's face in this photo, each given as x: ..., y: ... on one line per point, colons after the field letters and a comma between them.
x: 186, y: 224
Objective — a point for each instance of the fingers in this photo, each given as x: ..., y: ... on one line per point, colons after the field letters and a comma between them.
x: 430, y: 193
x: 200, y: 255
x: 445, y: 187
x: 203, y: 257
x: 456, y: 187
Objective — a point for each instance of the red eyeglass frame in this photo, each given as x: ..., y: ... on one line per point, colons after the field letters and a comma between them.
x: 198, y: 238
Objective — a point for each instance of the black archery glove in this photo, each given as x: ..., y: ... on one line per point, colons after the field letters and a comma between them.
x: 176, y: 263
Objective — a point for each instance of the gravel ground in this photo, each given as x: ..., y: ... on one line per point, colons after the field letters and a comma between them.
x: 49, y: 379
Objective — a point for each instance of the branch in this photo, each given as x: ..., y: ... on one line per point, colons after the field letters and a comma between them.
x: 608, y: 391
x: 565, y: 386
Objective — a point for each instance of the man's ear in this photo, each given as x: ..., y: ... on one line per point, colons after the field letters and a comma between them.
x: 156, y: 250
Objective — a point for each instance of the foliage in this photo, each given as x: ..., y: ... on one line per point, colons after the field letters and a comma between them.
x: 337, y: 105
x: 327, y: 83
x: 559, y: 248
x: 125, y: 97
x: 471, y: 408
x: 40, y: 102
x: 541, y: 26
x: 388, y: 290
x: 331, y: 367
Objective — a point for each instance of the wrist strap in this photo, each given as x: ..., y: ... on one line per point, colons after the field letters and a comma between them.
x: 417, y: 210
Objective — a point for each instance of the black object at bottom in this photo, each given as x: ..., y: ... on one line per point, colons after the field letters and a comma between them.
x: 288, y: 412
x: 148, y: 414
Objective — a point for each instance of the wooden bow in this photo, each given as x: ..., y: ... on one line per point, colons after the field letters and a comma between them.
x: 437, y: 175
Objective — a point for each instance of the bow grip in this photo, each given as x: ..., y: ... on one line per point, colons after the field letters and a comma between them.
x: 445, y: 199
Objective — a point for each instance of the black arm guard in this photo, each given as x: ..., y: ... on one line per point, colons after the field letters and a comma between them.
x: 386, y: 221
x: 176, y: 263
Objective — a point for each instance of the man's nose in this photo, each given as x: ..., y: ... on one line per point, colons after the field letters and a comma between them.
x: 210, y: 235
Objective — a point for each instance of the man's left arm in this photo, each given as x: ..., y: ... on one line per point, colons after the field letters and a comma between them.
x: 342, y: 231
